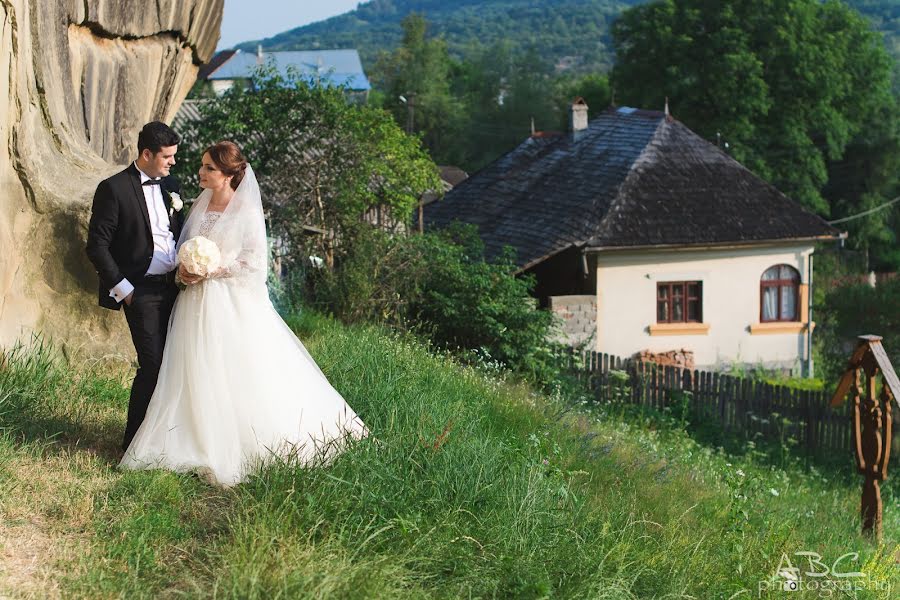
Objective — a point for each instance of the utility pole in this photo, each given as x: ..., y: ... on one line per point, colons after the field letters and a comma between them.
x: 410, y: 101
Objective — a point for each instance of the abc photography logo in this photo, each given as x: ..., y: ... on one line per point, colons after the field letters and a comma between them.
x: 820, y: 578
x: 790, y: 578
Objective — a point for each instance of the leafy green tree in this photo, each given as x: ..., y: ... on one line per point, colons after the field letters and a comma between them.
x: 595, y: 90
x: 478, y: 81
x: 864, y: 179
x: 322, y: 161
x: 529, y: 93
x: 468, y: 112
x: 504, y: 92
x: 787, y: 83
x: 416, y: 82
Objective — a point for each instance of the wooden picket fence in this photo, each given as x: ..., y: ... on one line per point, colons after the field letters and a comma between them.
x: 741, y: 405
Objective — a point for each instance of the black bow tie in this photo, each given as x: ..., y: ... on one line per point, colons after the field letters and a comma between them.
x: 152, y: 182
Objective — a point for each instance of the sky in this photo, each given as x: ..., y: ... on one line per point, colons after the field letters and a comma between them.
x: 246, y: 20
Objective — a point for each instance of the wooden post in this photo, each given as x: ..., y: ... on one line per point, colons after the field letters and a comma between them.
x: 718, y: 399
x: 809, y: 413
x: 871, y: 423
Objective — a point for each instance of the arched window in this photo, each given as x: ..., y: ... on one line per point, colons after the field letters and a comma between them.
x: 779, y: 294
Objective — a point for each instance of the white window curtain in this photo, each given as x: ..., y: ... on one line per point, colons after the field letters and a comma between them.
x: 785, y: 307
x: 771, y: 274
x: 788, y: 303
x: 770, y: 304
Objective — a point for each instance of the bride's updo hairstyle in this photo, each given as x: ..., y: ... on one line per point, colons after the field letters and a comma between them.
x: 230, y: 160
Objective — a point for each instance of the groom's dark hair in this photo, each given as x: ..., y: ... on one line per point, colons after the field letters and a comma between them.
x: 156, y: 135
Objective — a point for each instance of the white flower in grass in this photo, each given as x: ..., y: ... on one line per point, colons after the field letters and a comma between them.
x: 200, y: 256
x: 740, y: 472
x: 774, y: 492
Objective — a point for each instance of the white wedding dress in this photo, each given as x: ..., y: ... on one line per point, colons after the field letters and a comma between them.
x: 236, y: 387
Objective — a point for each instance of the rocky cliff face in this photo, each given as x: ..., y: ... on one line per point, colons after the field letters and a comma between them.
x: 83, y: 78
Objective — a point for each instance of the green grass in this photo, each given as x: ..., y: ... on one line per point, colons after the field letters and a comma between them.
x: 470, y: 486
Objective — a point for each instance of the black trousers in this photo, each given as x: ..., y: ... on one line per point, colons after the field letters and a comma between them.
x: 148, y: 320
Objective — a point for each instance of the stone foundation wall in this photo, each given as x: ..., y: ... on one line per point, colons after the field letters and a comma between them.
x: 579, y: 318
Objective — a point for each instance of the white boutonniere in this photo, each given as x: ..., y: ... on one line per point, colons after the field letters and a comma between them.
x: 177, y: 203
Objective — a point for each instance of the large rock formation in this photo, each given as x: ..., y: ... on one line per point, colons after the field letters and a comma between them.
x: 84, y: 76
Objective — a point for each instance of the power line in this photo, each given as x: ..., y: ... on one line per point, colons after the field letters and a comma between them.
x: 867, y: 212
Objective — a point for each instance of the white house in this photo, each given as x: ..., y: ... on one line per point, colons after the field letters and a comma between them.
x: 722, y: 303
x: 333, y: 67
x: 646, y: 238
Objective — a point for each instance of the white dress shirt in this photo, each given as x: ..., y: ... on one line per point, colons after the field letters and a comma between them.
x: 164, y: 258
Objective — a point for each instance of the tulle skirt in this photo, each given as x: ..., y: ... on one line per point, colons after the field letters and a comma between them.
x: 237, y: 388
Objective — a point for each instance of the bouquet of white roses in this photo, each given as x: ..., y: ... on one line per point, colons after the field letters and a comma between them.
x: 200, y: 256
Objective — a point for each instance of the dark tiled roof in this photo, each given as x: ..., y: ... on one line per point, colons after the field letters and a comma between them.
x: 633, y: 178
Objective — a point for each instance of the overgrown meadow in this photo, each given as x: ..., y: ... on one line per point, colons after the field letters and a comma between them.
x: 469, y: 486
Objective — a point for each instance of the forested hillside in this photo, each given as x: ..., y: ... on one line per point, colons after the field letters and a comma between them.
x: 570, y: 34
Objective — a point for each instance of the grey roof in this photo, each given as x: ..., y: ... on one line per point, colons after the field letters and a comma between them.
x: 188, y: 111
x: 338, y: 67
x: 633, y: 178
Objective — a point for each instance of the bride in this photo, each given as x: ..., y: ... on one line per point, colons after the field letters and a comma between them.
x: 236, y: 387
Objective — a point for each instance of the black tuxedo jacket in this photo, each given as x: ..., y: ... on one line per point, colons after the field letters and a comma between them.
x: 120, y: 241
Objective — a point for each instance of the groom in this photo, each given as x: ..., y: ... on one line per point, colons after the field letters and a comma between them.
x: 131, y: 242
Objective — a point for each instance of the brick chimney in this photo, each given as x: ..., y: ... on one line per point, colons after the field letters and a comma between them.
x: 578, y: 115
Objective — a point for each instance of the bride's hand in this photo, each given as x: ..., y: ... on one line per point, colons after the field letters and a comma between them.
x: 186, y: 276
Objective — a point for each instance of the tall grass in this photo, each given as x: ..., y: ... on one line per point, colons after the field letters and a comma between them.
x: 469, y: 486
x: 42, y: 396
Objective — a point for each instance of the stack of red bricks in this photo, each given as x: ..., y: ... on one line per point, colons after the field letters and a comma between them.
x: 683, y: 359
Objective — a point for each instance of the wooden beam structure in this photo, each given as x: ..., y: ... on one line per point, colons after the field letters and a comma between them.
x: 872, y: 422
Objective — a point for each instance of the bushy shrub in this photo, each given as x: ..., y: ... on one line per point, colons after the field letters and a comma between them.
x: 441, y: 286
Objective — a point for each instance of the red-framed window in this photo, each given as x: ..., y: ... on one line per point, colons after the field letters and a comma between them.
x: 679, y: 302
x: 779, y: 294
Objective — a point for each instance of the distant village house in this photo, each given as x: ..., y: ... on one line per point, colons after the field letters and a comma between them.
x: 647, y: 239
x: 335, y: 67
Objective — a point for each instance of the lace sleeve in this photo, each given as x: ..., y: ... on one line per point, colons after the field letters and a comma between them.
x: 248, y: 262
x: 251, y: 260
